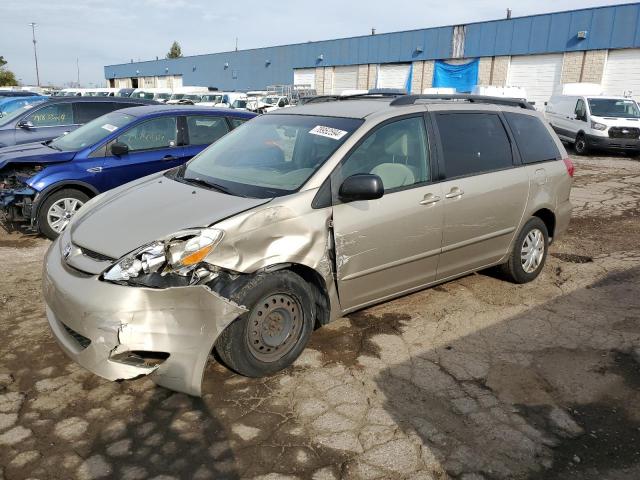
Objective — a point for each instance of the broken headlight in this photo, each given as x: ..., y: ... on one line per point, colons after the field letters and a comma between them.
x: 180, y: 254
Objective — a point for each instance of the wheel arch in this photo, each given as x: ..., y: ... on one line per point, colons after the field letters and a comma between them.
x: 549, y: 219
x: 84, y: 187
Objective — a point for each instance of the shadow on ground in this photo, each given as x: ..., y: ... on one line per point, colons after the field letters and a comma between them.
x: 552, y: 393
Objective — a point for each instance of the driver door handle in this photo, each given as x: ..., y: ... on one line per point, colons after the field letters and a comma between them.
x: 455, y: 192
x: 168, y: 158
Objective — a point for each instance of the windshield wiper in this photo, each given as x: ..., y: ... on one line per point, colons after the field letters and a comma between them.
x: 210, y: 185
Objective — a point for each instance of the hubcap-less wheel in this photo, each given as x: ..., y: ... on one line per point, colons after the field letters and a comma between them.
x: 274, y: 327
x: 532, y: 251
x: 581, y: 145
x: 60, y: 213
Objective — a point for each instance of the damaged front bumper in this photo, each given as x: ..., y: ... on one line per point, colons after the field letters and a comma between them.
x: 16, y: 204
x: 103, y: 326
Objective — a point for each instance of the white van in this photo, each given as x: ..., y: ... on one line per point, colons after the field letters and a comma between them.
x: 157, y: 94
x: 595, y: 122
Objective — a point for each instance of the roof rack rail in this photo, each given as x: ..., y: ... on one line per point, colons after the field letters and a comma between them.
x: 511, y: 102
x: 372, y: 94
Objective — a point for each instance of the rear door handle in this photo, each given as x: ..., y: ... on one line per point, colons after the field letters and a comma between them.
x: 168, y: 158
x: 429, y: 199
x: 455, y: 192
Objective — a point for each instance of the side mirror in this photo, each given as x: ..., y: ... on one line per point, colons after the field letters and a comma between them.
x: 361, y: 186
x: 119, y: 149
x: 26, y: 124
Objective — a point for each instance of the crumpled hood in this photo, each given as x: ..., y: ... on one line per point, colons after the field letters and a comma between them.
x: 32, y: 153
x: 151, y: 209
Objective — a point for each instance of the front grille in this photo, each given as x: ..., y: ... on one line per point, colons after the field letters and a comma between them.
x: 624, y: 132
x: 83, y: 341
x: 95, y: 255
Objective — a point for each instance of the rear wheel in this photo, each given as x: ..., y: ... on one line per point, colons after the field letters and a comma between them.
x: 581, y: 146
x: 57, y: 209
x: 275, y: 330
x: 529, y: 252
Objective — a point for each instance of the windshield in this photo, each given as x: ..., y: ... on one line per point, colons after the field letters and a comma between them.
x: 239, y: 104
x: 270, y: 156
x: 177, y: 96
x: 164, y: 96
x: 212, y: 98
x: 195, y: 98
x: 270, y: 100
x: 92, y: 132
x: 10, y: 107
x: 608, y: 107
x: 147, y: 95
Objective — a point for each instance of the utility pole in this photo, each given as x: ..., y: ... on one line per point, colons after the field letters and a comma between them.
x: 35, y: 51
x: 78, y: 68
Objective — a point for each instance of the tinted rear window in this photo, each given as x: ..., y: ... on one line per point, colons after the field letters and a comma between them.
x: 473, y: 143
x: 87, y: 111
x: 532, y: 137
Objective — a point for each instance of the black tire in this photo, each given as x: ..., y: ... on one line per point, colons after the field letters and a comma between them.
x: 581, y: 146
x: 239, y: 345
x: 514, y: 269
x: 43, y: 218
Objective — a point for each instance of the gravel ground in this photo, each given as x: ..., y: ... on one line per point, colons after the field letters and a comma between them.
x: 473, y: 379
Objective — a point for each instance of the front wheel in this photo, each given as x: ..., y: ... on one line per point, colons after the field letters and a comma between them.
x: 581, y: 146
x: 57, y: 209
x: 275, y: 330
x: 529, y: 252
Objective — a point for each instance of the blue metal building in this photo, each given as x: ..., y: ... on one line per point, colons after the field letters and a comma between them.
x: 580, y: 40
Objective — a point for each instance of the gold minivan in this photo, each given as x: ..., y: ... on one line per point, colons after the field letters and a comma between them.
x: 295, y: 219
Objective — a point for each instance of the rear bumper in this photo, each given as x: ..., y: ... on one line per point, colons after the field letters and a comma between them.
x: 607, y: 143
x: 95, y: 321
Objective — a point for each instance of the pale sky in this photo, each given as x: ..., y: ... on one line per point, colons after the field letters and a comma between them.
x: 103, y: 32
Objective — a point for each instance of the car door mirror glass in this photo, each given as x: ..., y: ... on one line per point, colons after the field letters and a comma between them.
x: 118, y: 149
x: 361, y: 186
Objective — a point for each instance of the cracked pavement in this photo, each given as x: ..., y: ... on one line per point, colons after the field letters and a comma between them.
x: 473, y: 379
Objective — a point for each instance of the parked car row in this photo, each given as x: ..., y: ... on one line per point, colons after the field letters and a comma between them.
x: 43, y: 183
x: 292, y: 220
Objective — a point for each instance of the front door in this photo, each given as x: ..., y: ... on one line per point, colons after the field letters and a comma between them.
x: 390, y: 245
x: 484, y: 194
x: 45, y: 122
x: 153, y: 147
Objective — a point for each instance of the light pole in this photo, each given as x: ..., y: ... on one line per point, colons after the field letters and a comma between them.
x: 35, y: 51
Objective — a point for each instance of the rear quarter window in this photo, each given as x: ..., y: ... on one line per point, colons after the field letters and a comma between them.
x: 534, y: 141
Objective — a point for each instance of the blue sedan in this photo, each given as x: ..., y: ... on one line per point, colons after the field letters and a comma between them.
x: 43, y: 184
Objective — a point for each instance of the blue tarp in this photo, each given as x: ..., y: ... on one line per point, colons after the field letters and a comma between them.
x: 461, y: 77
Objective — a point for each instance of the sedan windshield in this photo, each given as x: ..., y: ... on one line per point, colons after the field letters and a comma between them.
x: 608, y: 107
x: 269, y: 156
x: 16, y: 113
x: 212, y: 98
x: 92, y: 132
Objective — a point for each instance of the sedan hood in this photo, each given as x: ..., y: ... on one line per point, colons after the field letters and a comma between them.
x: 32, y: 153
x: 141, y: 212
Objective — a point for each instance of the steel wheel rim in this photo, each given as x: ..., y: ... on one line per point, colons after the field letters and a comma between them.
x: 60, y: 213
x: 580, y: 144
x: 274, y: 327
x: 532, y: 251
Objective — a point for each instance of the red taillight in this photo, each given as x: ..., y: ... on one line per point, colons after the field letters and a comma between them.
x: 570, y: 167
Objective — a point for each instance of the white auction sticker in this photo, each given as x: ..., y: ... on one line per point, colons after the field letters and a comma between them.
x: 328, y: 132
x: 109, y: 127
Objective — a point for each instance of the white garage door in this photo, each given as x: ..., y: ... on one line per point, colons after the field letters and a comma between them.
x: 622, y: 73
x: 539, y: 75
x: 393, y: 75
x: 305, y: 76
x: 344, y: 78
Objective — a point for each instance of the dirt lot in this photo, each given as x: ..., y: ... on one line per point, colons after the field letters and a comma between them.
x: 473, y: 379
